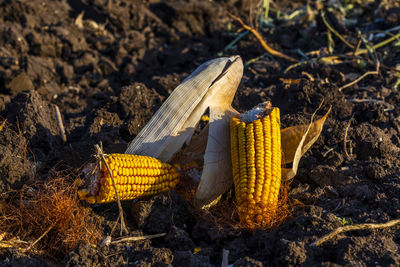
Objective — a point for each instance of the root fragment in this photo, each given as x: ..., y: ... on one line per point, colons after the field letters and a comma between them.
x: 375, y: 72
x: 262, y: 41
x: 347, y: 228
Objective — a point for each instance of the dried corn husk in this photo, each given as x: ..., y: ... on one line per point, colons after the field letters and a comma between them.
x: 212, y: 85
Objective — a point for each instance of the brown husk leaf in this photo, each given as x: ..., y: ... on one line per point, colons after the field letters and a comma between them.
x: 296, y: 140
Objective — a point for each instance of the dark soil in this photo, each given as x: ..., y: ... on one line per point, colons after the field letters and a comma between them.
x: 108, y: 74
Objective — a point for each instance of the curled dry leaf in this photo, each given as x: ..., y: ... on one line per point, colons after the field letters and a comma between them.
x: 296, y: 140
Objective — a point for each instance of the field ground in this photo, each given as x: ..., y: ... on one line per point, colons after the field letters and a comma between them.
x: 110, y: 70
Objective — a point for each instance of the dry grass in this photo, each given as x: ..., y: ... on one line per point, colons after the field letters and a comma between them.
x: 285, y: 206
x: 51, y: 215
x: 275, y: 217
x: 224, y: 213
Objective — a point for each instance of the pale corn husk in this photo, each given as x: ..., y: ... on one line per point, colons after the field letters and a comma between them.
x: 217, y: 172
x: 212, y: 85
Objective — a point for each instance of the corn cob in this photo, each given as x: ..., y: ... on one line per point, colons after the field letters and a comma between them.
x: 256, y: 165
x: 135, y: 176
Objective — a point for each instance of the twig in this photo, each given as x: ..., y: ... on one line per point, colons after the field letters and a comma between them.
x: 368, y: 46
x: 389, y: 107
x: 40, y: 237
x: 345, y: 137
x: 347, y: 228
x: 392, y: 29
x: 309, y: 76
x: 331, y: 43
x: 327, y: 152
x: 363, y: 100
x: 251, y: 61
x: 12, y: 243
x: 375, y: 72
x: 265, y: 9
x: 357, y: 46
x: 60, y: 123
x: 261, y: 40
x: 137, y: 238
x: 225, y: 258
x: 329, y: 60
x: 121, y: 211
x: 334, y: 31
x: 383, y: 43
x: 298, y: 64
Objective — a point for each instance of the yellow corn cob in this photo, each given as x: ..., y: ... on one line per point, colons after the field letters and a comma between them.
x: 135, y: 176
x: 256, y: 165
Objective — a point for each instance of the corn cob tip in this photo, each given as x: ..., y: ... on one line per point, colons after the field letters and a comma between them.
x: 257, y: 112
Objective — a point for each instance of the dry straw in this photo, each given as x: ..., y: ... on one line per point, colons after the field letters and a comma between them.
x: 49, y: 217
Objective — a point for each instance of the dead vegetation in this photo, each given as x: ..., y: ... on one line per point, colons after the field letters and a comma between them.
x: 224, y: 213
x: 47, y: 218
